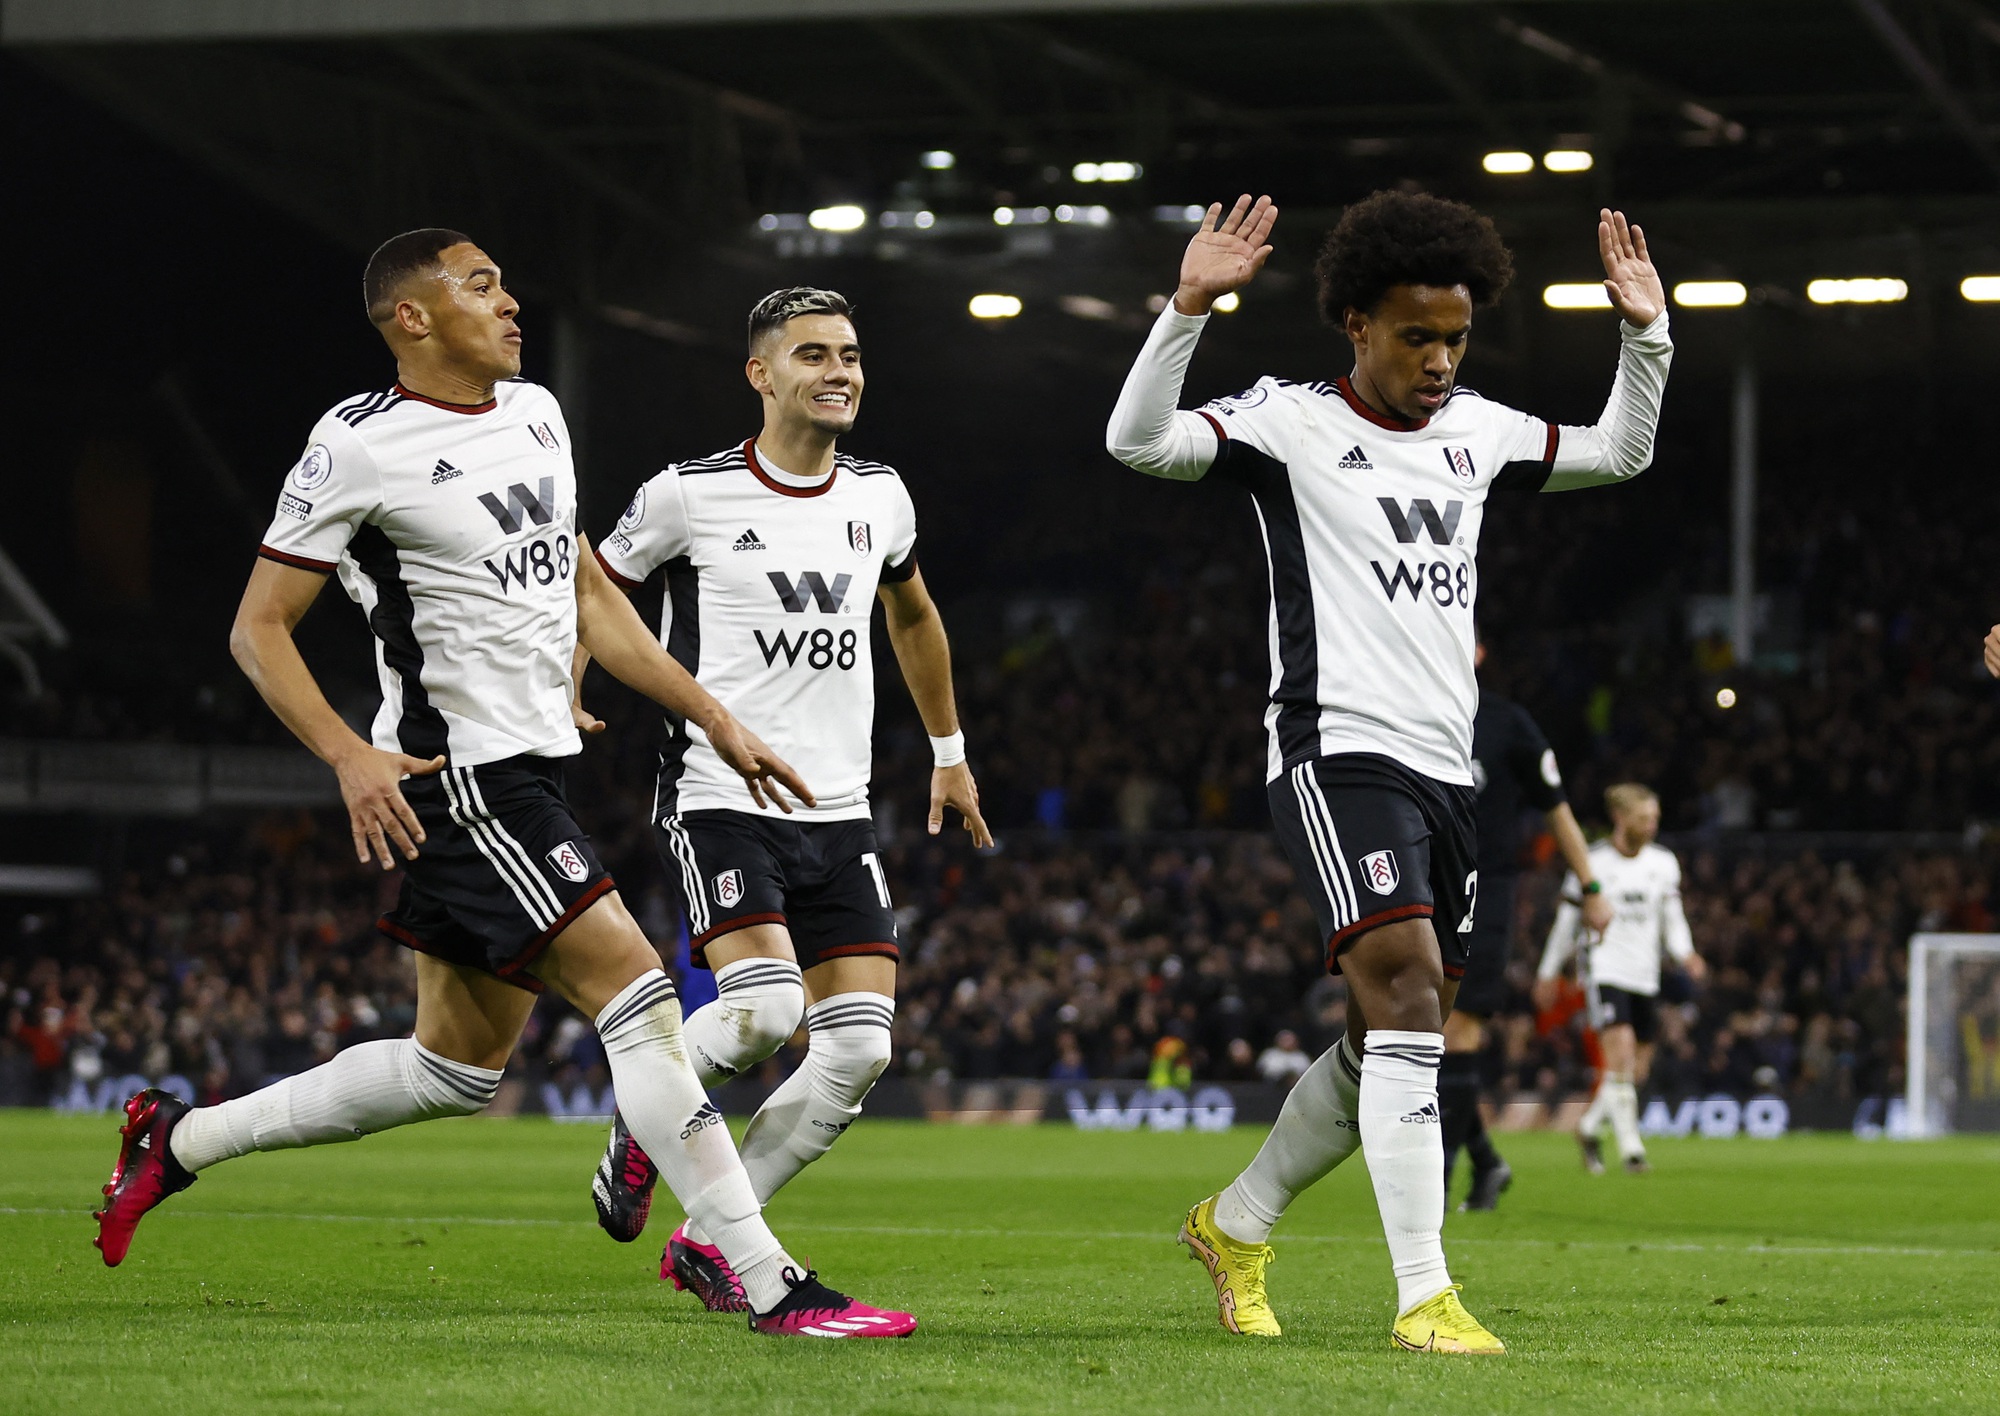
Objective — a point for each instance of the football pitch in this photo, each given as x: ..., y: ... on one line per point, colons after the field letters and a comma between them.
x: 454, y: 1267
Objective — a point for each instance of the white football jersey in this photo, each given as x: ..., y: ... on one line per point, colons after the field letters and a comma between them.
x: 1371, y: 526
x: 771, y: 582
x: 454, y: 528
x: 1645, y: 892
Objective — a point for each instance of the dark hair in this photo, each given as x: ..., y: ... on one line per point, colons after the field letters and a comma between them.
x: 1408, y: 238
x: 769, y: 314
x: 400, y: 257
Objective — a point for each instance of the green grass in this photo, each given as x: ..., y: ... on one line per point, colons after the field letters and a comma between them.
x: 454, y: 1268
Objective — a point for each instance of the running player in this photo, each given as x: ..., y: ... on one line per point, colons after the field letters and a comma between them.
x: 447, y: 505
x: 1513, y: 768
x: 1620, y: 973
x: 1370, y: 491
x: 774, y: 551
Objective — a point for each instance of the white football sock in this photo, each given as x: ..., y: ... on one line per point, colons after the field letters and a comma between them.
x: 679, y: 1127
x: 804, y: 1117
x: 368, y: 1088
x: 1404, y: 1146
x: 1317, y: 1129
x: 757, y: 1007
x: 1622, y: 1102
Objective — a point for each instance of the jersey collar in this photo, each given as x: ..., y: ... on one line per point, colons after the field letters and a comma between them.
x: 770, y: 475
x: 487, y: 407
x: 1380, y: 420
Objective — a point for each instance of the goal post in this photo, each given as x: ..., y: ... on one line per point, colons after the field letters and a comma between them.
x: 1952, y: 1071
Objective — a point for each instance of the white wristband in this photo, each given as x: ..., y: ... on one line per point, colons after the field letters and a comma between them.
x: 948, y: 751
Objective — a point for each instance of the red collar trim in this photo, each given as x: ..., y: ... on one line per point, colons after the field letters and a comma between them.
x: 1380, y: 420
x: 487, y: 407
x: 757, y: 470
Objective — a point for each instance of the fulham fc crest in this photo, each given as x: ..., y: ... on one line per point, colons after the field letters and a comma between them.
x: 543, y: 435
x: 728, y: 888
x: 1379, y: 870
x: 858, y: 537
x: 1459, y: 459
x: 568, y: 862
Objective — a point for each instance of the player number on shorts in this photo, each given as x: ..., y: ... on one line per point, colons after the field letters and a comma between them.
x: 874, y: 864
x: 1471, y: 902
x: 820, y: 648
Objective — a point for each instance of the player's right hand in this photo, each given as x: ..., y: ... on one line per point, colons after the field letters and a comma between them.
x: 582, y: 718
x: 1993, y: 651
x: 761, y: 769
x: 377, y: 815
x: 1225, y: 253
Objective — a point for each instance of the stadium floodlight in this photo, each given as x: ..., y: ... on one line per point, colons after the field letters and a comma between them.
x: 938, y: 160
x: 838, y: 218
x: 1106, y: 171
x: 1576, y: 297
x: 1021, y: 216
x: 925, y: 220
x: 1087, y: 215
x: 1567, y: 160
x: 1174, y: 215
x: 994, y: 307
x: 1227, y: 303
x: 782, y: 221
x: 1725, y: 698
x: 1865, y: 290
x: 1088, y: 307
x: 1508, y: 164
x: 1710, y: 294
x: 1980, y: 288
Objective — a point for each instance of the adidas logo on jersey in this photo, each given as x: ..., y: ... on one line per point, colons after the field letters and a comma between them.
x: 444, y: 472
x: 748, y: 542
x: 1356, y: 460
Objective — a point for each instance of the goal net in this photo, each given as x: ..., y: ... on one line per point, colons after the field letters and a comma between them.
x: 1954, y: 1034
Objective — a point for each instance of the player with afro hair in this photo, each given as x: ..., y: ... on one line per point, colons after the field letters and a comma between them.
x: 1408, y: 238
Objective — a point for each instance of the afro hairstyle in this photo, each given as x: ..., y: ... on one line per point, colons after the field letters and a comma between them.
x: 1408, y: 238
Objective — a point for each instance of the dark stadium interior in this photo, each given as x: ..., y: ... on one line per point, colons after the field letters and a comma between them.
x: 186, y: 303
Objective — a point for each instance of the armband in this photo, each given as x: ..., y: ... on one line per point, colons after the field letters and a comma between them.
x: 948, y: 751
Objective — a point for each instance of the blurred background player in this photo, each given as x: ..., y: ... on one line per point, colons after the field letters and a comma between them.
x: 447, y: 505
x: 1620, y: 969
x: 775, y: 551
x: 1371, y: 491
x: 1514, y: 770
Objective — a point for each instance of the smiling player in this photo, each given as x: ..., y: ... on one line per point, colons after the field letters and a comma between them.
x: 1371, y: 491
x: 775, y: 551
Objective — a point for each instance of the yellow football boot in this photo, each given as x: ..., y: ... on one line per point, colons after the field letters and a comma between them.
x: 1238, y: 1271
x: 1441, y: 1324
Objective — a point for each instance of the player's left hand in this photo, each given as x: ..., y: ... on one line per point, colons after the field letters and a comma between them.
x: 1597, y: 912
x: 584, y: 720
x: 1629, y: 277
x: 954, y: 787
x: 1697, y: 968
x: 761, y: 769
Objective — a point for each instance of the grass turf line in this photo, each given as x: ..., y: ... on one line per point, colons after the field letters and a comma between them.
x: 454, y: 1267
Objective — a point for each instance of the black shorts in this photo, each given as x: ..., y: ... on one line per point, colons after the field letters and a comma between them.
x: 1483, y: 990
x: 1638, y: 1011
x: 822, y: 880
x: 503, y: 870
x: 1373, y: 842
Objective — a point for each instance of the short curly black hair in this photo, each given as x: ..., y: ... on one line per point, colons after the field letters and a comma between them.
x: 1408, y: 238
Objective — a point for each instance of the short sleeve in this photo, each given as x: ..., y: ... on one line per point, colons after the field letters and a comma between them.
x: 1262, y: 418
x: 899, y: 551
x: 1525, y: 451
x: 1534, y: 765
x: 653, y: 531
x: 330, y: 492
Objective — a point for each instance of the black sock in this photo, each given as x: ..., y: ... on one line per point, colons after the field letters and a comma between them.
x: 1458, y: 1104
x: 1478, y: 1144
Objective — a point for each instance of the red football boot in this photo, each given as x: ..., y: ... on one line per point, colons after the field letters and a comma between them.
x: 146, y: 1172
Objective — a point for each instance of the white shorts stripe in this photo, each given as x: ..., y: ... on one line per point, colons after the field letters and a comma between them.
x: 501, y: 835
x: 531, y: 893
x: 683, y: 849
x: 1343, y: 914
x: 1333, y: 844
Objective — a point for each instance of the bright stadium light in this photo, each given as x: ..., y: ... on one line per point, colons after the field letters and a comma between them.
x: 994, y: 307
x: 1710, y: 294
x: 838, y: 218
x: 938, y: 160
x: 1980, y: 288
x: 1174, y: 215
x: 1227, y: 303
x: 1868, y: 290
x: 1576, y: 297
x: 1106, y: 171
x: 926, y: 220
x: 1507, y: 164
x: 1567, y: 160
x: 1725, y: 698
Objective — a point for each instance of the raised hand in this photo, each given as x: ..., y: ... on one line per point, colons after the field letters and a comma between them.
x: 378, y: 817
x: 1225, y: 253
x: 761, y: 769
x: 1629, y: 277
x: 954, y: 787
